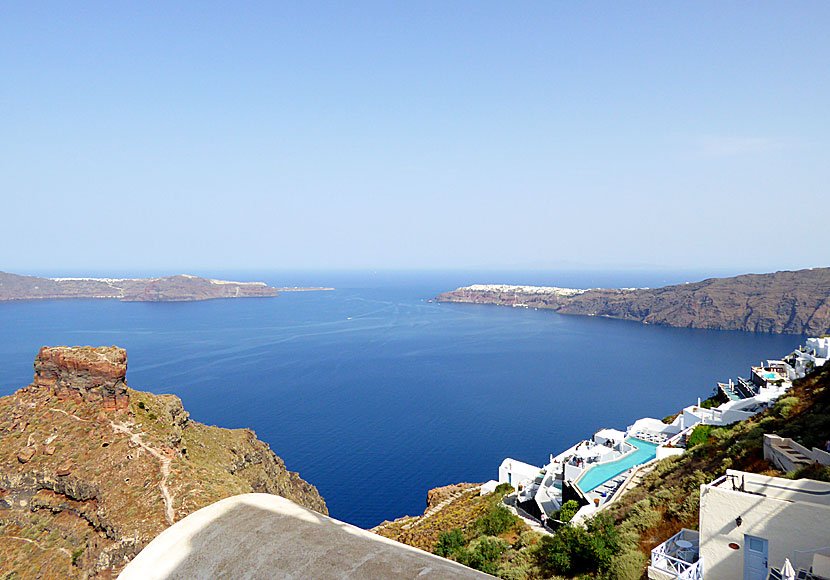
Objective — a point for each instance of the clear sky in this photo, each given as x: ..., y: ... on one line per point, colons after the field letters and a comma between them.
x: 183, y: 136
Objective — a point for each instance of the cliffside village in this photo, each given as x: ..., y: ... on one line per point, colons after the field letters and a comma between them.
x: 738, y: 537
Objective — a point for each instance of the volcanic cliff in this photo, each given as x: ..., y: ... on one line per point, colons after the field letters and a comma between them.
x: 783, y: 302
x: 91, y: 470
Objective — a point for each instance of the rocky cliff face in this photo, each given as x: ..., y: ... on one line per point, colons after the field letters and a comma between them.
x: 783, y: 302
x: 83, y: 373
x: 91, y: 470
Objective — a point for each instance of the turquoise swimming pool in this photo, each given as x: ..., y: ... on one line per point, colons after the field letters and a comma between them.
x: 599, y: 474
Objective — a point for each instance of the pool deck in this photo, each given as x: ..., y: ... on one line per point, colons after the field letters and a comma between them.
x: 600, y: 474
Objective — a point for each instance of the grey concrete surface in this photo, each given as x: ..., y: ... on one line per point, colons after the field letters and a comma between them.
x: 263, y: 536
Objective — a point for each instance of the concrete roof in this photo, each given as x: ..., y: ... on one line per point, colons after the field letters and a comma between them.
x: 263, y: 536
x: 611, y: 434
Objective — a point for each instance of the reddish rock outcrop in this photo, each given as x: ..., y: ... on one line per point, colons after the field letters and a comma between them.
x: 25, y: 455
x: 84, y: 373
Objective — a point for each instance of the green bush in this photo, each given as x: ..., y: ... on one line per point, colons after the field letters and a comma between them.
x: 141, y: 405
x: 721, y: 434
x: 527, y: 538
x: 496, y: 521
x: 519, y: 567
x: 76, y: 554
x: 503, y: 489
x: 665, y: 466
x: 575, y: 550
x: 700, y: 434
x: 628, y: 565
x: 450, y: 543
x: 485, y: 554
x: 784, y: 407
x: 641, y: 516
x: 813, y: 471
x: 569, y: 509
x: 695, y: 480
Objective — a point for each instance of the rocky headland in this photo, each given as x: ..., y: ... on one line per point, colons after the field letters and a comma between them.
x: 92, y: 470
x: 783, y: 302
x: 181, y: 288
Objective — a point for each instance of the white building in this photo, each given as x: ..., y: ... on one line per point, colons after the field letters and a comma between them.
x: 814, y: 353
x: 749, y: 525
x: 654, y: 430
x: 725, y: 414
x: 819, y: 347
x: 513, y: 471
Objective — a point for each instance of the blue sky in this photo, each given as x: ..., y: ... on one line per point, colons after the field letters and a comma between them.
x: 184, y: 136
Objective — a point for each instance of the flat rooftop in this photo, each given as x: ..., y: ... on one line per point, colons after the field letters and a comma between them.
x: 795, y: 490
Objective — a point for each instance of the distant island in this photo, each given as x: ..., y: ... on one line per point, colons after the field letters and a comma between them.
x: 181, y: 288
x: 784, y: 302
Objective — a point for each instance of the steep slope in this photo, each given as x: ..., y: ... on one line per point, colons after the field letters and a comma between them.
x: 91, y: 470
x: 784, y: 302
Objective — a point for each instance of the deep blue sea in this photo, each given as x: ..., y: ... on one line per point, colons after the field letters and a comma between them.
x: 376, y: 395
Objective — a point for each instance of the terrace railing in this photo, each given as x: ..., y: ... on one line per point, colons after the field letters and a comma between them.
x: 679, y: 440
x: 693, y: 572
x: 807, y: 561
x: 678, y: 559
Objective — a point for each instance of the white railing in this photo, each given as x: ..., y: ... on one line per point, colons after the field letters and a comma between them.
x: 693, y: 572
x: 803, y: 559
x: 720, y: 480
x: 675, y: 559
x: 675, y: 439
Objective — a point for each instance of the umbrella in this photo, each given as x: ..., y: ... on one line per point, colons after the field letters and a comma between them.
x: 787, y: 572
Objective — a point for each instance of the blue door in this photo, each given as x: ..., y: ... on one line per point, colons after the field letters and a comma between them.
x: 755, y: 558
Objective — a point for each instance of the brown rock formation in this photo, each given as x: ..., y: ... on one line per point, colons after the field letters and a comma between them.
x: 83, y: 489
x: 84, y: 373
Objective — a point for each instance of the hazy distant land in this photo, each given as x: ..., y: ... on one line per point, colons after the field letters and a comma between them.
x: 181, y: 288
x: 784, y: 302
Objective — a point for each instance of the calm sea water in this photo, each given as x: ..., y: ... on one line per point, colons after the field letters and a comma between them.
x: 374, y: 394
